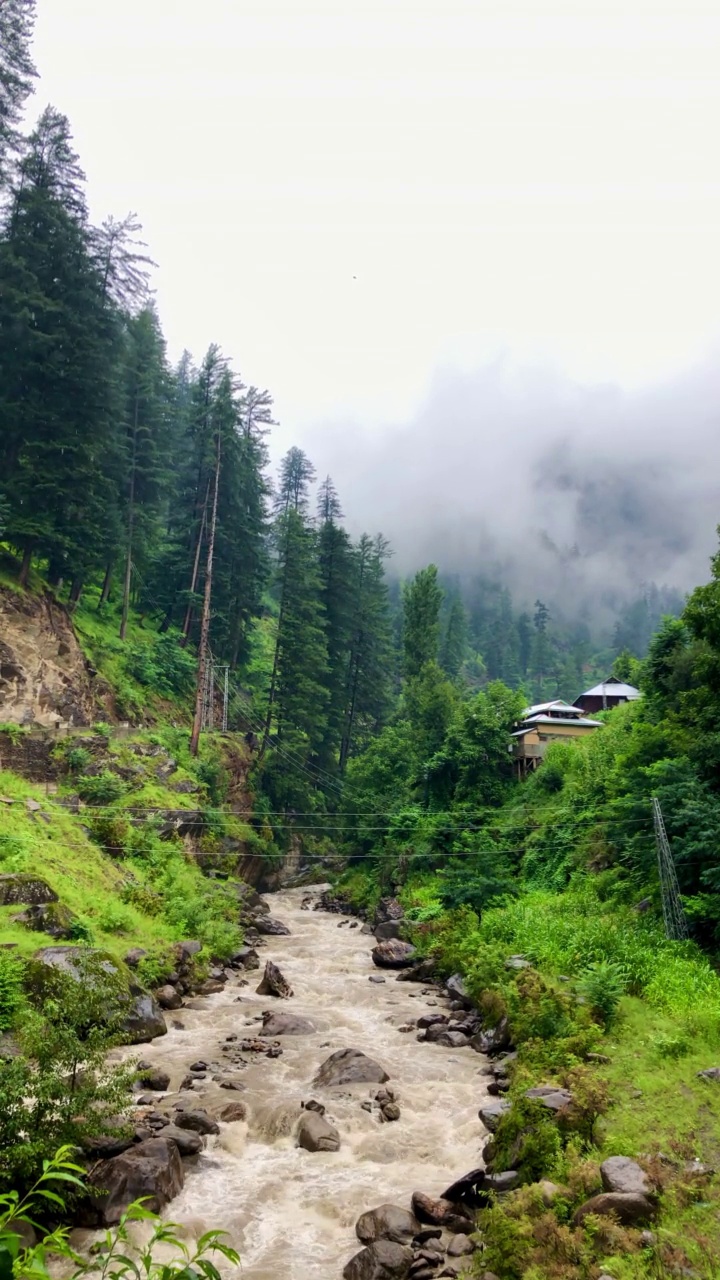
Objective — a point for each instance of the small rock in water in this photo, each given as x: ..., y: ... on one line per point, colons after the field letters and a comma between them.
x: 391, y: 1111
x: 376, y: 977
x: 313, y: 1105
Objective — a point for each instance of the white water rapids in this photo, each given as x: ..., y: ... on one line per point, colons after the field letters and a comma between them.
x: 289, y: 1212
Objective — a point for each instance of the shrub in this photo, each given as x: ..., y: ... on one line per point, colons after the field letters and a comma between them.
x: 12, y: 973
x: 602, y: 985
x: 101, y: 788
x: 77, y: 759
x: 528, y: 1140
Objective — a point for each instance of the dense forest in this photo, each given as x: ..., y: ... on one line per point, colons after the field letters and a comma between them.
x: 374, y: 717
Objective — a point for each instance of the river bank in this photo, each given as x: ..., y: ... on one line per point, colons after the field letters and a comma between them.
x: 288, y: 1211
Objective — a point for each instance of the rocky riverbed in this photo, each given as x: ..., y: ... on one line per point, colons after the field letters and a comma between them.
x: 288, y: 1181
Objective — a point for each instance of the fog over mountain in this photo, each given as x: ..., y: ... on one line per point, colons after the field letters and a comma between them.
x: 559, y: 488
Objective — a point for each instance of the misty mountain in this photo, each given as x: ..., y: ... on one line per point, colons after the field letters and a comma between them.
x: 561, y: 490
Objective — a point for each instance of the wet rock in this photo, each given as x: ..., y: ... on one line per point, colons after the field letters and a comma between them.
x: 432, y: 1020
x: 187, y: 1142
x: 24, y: 890
x: 460, y: 1246
x: 200, y: 1065
x: 393, y: 954
x: 439, y: 1212
x: 456, y: 989
x: 211, y: 987
x: 551, y: 1097
x: 420, y: 972
x: 467, y: 1189
x: 152, y: 1169
x: 505, y: 1181
x: 389, y: 929
x: 270, y: 1049
x: 144, y: 1020
x: 631, y: 1208
x: 619, y: 1173
x: 232, y: 1083
x: 388, y: 909
x: 273, y: 983
x: 103, y: 1146
x: 314, y: 1105
x: 168, y: 998
x: 315, y: 1133
x: 376, y: 977
x: 440, y: 1034
x: 266, y: 925
x: 387, y: 1222
x: 199, y: 1121
x: 383, y: 1260
x: 154, y: 1078
x: 492, y: 1113
x: 245, y: 958
x: 391, y: 1111
x: 233, y: 1112
x: 494, y: 1040
x: 350, y: 1066
x: 285, y: 1024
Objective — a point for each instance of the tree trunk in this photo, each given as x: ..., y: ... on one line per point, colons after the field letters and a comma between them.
x: 105, y: 593
x: 75, y: 592
x: 25, y: 566
x: 131, y: 524
x: 205, y: 622
x: 196, y: 568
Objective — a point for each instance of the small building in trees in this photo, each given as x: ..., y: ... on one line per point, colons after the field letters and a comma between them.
x: 609, y: 693
x: 542, y: 724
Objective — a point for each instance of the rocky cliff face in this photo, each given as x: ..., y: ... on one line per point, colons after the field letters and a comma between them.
x: 44, y: 676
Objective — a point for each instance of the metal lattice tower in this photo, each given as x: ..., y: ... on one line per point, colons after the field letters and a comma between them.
x: 673, y: 914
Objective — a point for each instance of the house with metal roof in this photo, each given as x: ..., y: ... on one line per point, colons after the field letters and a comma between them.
x: 609, y: 693
x: 545, y: 723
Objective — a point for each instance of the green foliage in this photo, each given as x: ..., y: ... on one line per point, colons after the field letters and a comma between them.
x: 161, y: 1256
x: 602, y: 985
x: 61, y: 1087
x: 100, y: 788
x: 164, y: 667
x: 12, y: 974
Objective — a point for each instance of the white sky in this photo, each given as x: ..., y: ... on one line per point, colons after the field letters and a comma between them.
x: 346, y: 194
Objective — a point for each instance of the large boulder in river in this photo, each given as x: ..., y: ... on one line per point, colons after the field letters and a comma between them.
x: 387, y: 1222
x: 152, y: 1170
x: 245, y: 958
x: 285, y: 1024
x: 393, y: 954
x: 384, y: 1260
x: 315, y: 1133
x: 143, y: 1020
x: 350, y: 1066
x: 388, y: 929
x: 266, y: 924
x: 273, y: 983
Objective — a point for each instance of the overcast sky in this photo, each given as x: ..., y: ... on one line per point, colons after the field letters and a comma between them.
x: 350, y: 194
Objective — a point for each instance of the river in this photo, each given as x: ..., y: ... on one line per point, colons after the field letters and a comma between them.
x: 289, y: 1212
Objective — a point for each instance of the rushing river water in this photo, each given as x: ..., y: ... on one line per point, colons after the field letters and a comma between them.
x: 289, y: 1212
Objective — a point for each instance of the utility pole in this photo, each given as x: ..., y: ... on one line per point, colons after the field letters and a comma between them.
x: 205, y: 622
x: 673, y: 914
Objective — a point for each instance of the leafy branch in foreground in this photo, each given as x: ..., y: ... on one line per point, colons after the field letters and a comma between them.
x: 116, y: 1257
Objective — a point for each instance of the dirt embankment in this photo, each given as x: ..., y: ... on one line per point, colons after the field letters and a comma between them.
x: 44, y: 675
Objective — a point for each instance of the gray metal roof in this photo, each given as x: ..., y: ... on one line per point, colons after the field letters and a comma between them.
x: 612, y: 689
x: 558, y: 704
x: 536, y: 720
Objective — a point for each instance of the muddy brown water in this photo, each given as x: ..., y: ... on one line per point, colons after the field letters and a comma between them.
x: 291, y: 1213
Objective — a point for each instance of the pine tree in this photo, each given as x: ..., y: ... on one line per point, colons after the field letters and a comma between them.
x: 123, y: 267
x: 337, y: 593
x: 369, y: 666
x: 58, y: 358
x: 147, y: 409
x: 422, y: 599
x: 16, y: 76
x: 454, y: 646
